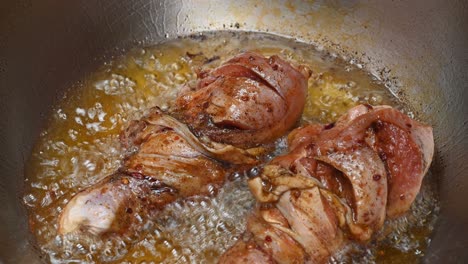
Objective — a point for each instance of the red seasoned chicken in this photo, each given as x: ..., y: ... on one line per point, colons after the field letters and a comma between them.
x: 247, y: 101
x: 340, y: 180
x: 404, y: 145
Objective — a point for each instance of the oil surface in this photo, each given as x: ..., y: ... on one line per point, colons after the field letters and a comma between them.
x: 80, y: 146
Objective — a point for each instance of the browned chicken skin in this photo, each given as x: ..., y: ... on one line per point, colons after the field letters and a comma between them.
x: 164, y: 167
x: 251, y: 103
x: 340, y: 181
x: 247, y: 101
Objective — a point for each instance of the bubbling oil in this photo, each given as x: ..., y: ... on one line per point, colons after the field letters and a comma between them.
x: 80, y: 146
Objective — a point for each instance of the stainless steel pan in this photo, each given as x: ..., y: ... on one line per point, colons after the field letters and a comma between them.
x: 419, y: 46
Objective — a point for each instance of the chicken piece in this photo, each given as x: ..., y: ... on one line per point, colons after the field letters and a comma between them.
x: 163, y: 150
x: 167, y: 157
x: 164, y: 157
x: 405, y: 145
x: 161, y: 157
x: 164, y: 153
x: 266, y: 227
x: 265, y: 235
x: 248, y: 101
x: 314, y: 224
x: 405, y: 166
x: 245, y: 253
x: 117, y: 204
x: 301, y: 228
x: 339, y: 177
x: 405, y: 149
x: 367, y: 175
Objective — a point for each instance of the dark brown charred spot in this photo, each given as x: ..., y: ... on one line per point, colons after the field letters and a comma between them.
x: 244, y: 98
x: 310, y: 148
x: 228, y: 125
x: 193, y: 55
x: 267, y: 186
x: 52, y: 194
x: 269, y: 109
x: 209, y: 60
x: 275, y: 67
x: 366, y: 216
x: 266, y: 206
x: 376, y: 177
x: 329, y: 126
x: 272, y: 60
x: 268, y: 239
x: 129, y: 210
x: 409, y: 125
x: 204, y: 81
x: 137, y: 175
x: 359, y: 143
x: 293, y: 168
x: 130, y: 135
x: 165, y: 129
x: 296, y: 194
x: 377, y: 125
x: 368, y: 106
x: 383, y: 156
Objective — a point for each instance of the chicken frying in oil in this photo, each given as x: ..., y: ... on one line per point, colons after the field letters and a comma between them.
x: 190, y: 149
x: 337, y: 183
